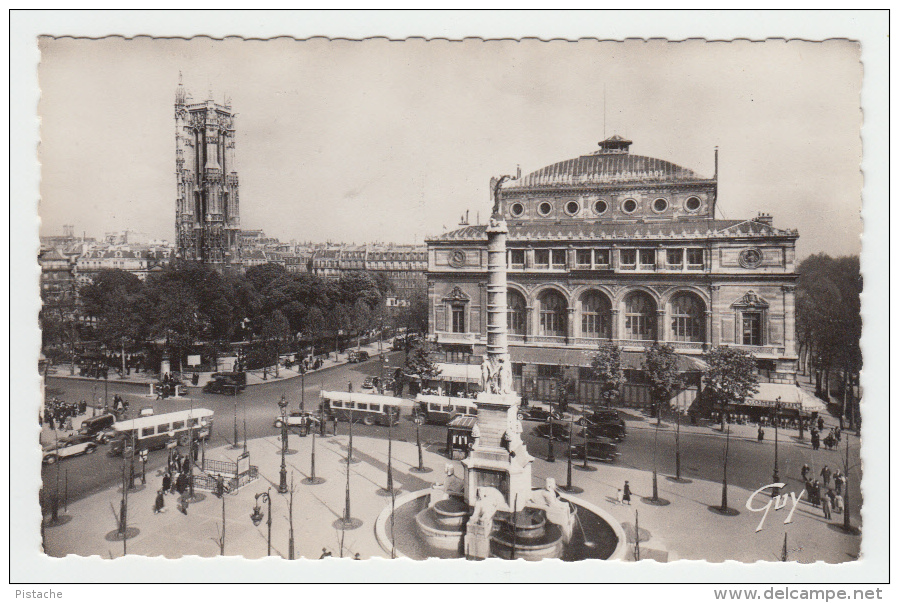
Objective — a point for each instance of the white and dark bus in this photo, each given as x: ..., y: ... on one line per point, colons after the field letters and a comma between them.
x: 440, y: 410
x: 364, y: 408
x: 161, y: 431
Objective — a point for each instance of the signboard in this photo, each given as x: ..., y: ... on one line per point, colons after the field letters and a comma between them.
x: 193, y: 360
x: 243, y: 463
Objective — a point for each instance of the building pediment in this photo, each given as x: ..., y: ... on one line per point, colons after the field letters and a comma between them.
x: 750, y: 300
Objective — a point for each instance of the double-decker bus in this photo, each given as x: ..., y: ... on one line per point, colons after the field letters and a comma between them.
x: 441, y: 410
x: 365, y: 408
x: 161, y: 431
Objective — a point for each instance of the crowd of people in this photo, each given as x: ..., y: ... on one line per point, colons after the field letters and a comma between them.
x: 176, y: 480
x: 58, y: 414
x: 826, y: 492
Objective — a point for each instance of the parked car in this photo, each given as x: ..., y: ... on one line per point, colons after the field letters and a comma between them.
x: 537, y: 413
x: 70, y: 446
x: 604, y: 431
x: 358, y: 356
x: 226, y: 383
x: 100, y: 428
x: 559, y: 431
x: 597, y: 450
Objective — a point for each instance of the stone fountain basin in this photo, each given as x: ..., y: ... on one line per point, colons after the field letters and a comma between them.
x: 606, y: 534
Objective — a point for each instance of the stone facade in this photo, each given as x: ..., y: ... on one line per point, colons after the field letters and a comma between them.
x: 624, y: 248
x: 207, y: 206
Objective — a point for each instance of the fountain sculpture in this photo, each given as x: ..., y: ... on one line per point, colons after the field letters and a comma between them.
x: 492, y: 510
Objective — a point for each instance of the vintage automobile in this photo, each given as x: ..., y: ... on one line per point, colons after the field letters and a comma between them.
x: 559, y: 431
x: 537, y: 413
x: 226, y: 383
x: 70, y: 446
x: 300, y: 419
x: 370, y: 384
x: 604, y: 431
x: 100, y: 428
x: 596, y: 450
x: 601, y: 417
x: 358, y: 356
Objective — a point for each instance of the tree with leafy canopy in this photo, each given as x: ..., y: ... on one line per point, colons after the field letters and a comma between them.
x: 608, y: 371
x: 418, y: 362
x: 665, y: 380
x: 115, y: 299
x: 730, y: 378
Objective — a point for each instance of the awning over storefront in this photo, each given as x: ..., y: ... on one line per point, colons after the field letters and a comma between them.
x: 629, y: 360
x: 791, y: 397
x: 459, y: 373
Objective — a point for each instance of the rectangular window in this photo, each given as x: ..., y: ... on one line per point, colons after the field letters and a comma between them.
x: 694, y: 259
x: 376, y: 407
x: 583, y: 258
x: 674, y: 258
x: 558, y: 259
x: 179, y: 424
x: 162, y: 428
x: 549, y: 370
x: 447, y: 408
x: 752, y: 328
x: 601, y: 257
x: 516, y: 258
x: 361, y: 406
x: 147, y: 431
x: 629, y: 258
x: 458, y: 319
x: 517, y: 369
x: 336, y: 404
x: 647, y: 259
x: 541, y: 258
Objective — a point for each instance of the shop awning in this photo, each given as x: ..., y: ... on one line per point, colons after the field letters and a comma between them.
x: 790, y: 397
x: 459, y: 373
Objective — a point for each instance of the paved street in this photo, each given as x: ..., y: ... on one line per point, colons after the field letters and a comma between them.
x: 750, y: 465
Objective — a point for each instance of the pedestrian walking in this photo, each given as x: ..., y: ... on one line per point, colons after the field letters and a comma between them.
x: 51, y: 423
x: 761, y: 434
x: 159, y: 505
x: 838, y: 482
x: 185, y: 464
x: 620, y: 497
x: 838, y: 503
x: 825, y: 506
x: 184, y: 504
x: 825, y: 476
x: 626, y: 498
x: 333, y: 424
x: 820, y: 424
x: 166, y: 482
x: 806, y: 470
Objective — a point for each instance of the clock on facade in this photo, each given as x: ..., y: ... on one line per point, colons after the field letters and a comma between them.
x: 750, y: 258
x: 457, y: 259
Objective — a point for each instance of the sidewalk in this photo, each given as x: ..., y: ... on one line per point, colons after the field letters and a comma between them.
x: 684, y: 529
x: 254, y: 377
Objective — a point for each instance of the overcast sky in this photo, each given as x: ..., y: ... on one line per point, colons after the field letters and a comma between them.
x: 393, y: 141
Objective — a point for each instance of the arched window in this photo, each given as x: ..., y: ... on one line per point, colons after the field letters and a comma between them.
x: 516, y: 315
x: 553, y: 309
x: 687, y: 318
x: 639, y: 317
x: 596, y: 314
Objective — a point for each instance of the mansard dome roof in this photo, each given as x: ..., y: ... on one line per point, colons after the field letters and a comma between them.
x: 611, y: 164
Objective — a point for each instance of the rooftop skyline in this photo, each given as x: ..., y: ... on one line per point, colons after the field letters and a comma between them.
x: 393, y: 141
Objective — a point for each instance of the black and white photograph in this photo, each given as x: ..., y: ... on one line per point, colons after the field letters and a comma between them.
x: 423, y: 299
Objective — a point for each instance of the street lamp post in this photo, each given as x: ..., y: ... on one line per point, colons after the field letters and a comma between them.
x: 776, y: 475
x: 256, y: 516
x: 550, y: 453
x: 282, y: 484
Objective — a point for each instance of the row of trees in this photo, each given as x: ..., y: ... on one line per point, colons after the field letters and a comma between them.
x: 188, y: 303
x: 829, y: 325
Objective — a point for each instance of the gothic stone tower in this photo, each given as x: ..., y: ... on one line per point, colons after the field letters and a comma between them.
x: 207, y: 214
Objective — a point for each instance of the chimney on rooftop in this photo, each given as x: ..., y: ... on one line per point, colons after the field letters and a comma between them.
x: 764, y: 218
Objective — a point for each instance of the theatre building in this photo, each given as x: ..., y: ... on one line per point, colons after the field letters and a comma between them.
x: 616, y: 247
